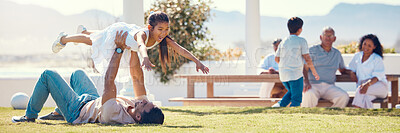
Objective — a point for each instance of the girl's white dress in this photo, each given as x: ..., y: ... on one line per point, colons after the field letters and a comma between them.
x: 372, y: 67
x: 103, y: 47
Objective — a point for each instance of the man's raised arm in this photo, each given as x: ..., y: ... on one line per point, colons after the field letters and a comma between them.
x: 110, y: 90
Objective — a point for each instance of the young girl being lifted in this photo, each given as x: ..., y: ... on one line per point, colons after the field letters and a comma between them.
x: 138, y: 40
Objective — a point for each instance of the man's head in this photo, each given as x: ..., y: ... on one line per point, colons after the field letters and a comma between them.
x: 146, y: 113
x: 276, y: 43
x: 328, y: 36
x: 295, y: 25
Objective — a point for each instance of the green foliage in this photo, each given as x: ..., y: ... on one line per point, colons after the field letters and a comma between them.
x: 187, y: 28
x: 211, y: 53
x: 349, y: 48
x: 205, y: 52
x: 353, y: 48
x: 389, y: 50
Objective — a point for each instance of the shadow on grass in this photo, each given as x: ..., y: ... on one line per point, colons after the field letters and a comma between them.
x: 99, y: 124
x: 291, y: 110
x: 117, y: 125
x: 50, y: 123
x: 184, y: 126
x: 201, y: 113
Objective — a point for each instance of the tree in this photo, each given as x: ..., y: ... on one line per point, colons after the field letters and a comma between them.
x: 187, y: 28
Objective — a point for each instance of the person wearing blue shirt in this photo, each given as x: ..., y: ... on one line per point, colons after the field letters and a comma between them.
x: 327, y: 60
x: 269, y: 66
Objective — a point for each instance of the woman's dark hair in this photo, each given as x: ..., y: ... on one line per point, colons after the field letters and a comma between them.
x: 153, y: 20
x: 378, y: 46
x: 154, y: 116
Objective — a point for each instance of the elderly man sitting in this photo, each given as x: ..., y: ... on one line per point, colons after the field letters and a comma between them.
x: 327, y: 60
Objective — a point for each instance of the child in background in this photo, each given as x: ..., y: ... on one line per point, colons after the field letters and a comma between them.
x: 289, y: 56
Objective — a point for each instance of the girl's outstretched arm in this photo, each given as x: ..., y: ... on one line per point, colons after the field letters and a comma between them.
x: 140, y: 39
x: 185, y: 53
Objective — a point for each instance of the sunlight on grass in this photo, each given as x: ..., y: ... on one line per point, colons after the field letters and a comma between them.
x: 230, y: 119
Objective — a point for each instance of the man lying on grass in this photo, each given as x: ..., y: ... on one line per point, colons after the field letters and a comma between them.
x: 80, y: 102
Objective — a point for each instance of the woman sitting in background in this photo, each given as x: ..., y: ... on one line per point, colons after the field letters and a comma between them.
x: 370, y: 71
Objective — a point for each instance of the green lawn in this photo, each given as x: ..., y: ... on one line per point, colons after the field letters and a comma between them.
x: 231, y: 119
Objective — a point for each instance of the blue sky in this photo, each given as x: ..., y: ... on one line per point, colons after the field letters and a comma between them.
x: 277, y: 8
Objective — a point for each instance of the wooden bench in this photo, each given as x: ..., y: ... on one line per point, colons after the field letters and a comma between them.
x: 212, y: 100
x: 382, y: 101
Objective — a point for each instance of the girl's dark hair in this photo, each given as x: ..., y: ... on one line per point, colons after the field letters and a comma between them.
x: 153, y: 20
x: 163, y: 53
x: 157, y: 17
x: 378, y: 46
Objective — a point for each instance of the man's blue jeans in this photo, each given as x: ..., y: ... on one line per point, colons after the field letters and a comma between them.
x: 69, y: 99
x: 294, y: 94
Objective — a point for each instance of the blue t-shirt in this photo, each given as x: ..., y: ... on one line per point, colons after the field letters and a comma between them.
x: 326, y: 64
x: 266, y: 63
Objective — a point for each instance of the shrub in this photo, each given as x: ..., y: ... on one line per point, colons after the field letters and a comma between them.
x: 187, y: 28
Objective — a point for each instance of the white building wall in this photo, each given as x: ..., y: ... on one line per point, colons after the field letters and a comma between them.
x: 133, y: 12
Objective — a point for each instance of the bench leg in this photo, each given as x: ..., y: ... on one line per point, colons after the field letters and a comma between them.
x: 395, y: 93
x: 210, y: 89
x: 384, y: 105
x: 190, y: 89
